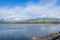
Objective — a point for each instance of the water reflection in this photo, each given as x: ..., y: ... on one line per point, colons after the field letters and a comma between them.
x: 26, y: 31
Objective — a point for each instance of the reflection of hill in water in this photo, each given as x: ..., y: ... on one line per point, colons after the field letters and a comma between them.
x: 37, y: 30
x: 28, y: 30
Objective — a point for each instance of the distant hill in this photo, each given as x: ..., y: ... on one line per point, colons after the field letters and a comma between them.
x: 33, y: 21
x: 43, y: 20
x: 36, y: 20
x: 2, y: 20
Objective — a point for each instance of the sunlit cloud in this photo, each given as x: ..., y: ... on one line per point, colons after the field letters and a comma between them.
x: 43, y: 9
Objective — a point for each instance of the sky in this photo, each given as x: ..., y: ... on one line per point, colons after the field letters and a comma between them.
x: 14, y: 10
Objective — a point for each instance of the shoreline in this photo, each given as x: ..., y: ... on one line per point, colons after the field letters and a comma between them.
x: 29, y: 22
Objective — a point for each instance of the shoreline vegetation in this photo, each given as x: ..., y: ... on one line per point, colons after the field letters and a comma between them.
x: 29, y: 22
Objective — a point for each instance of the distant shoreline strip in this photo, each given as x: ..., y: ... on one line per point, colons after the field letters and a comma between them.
x: 29, y: 22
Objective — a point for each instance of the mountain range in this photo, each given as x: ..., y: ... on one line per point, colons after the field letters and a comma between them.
x: 37, y: 20
x: 43, y: 20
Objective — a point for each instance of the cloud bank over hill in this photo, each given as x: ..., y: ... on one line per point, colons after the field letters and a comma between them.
x: 31, y: 9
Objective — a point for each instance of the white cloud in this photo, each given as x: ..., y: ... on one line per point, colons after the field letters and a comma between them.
x: 30, y: 11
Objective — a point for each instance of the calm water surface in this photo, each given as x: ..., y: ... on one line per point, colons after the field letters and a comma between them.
x: 26, y: 31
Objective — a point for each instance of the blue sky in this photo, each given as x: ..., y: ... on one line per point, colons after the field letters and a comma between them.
x: 17, y: 2
x: 12, y: 10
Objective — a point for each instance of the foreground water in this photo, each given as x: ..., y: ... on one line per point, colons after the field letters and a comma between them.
x: 26, y: 31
